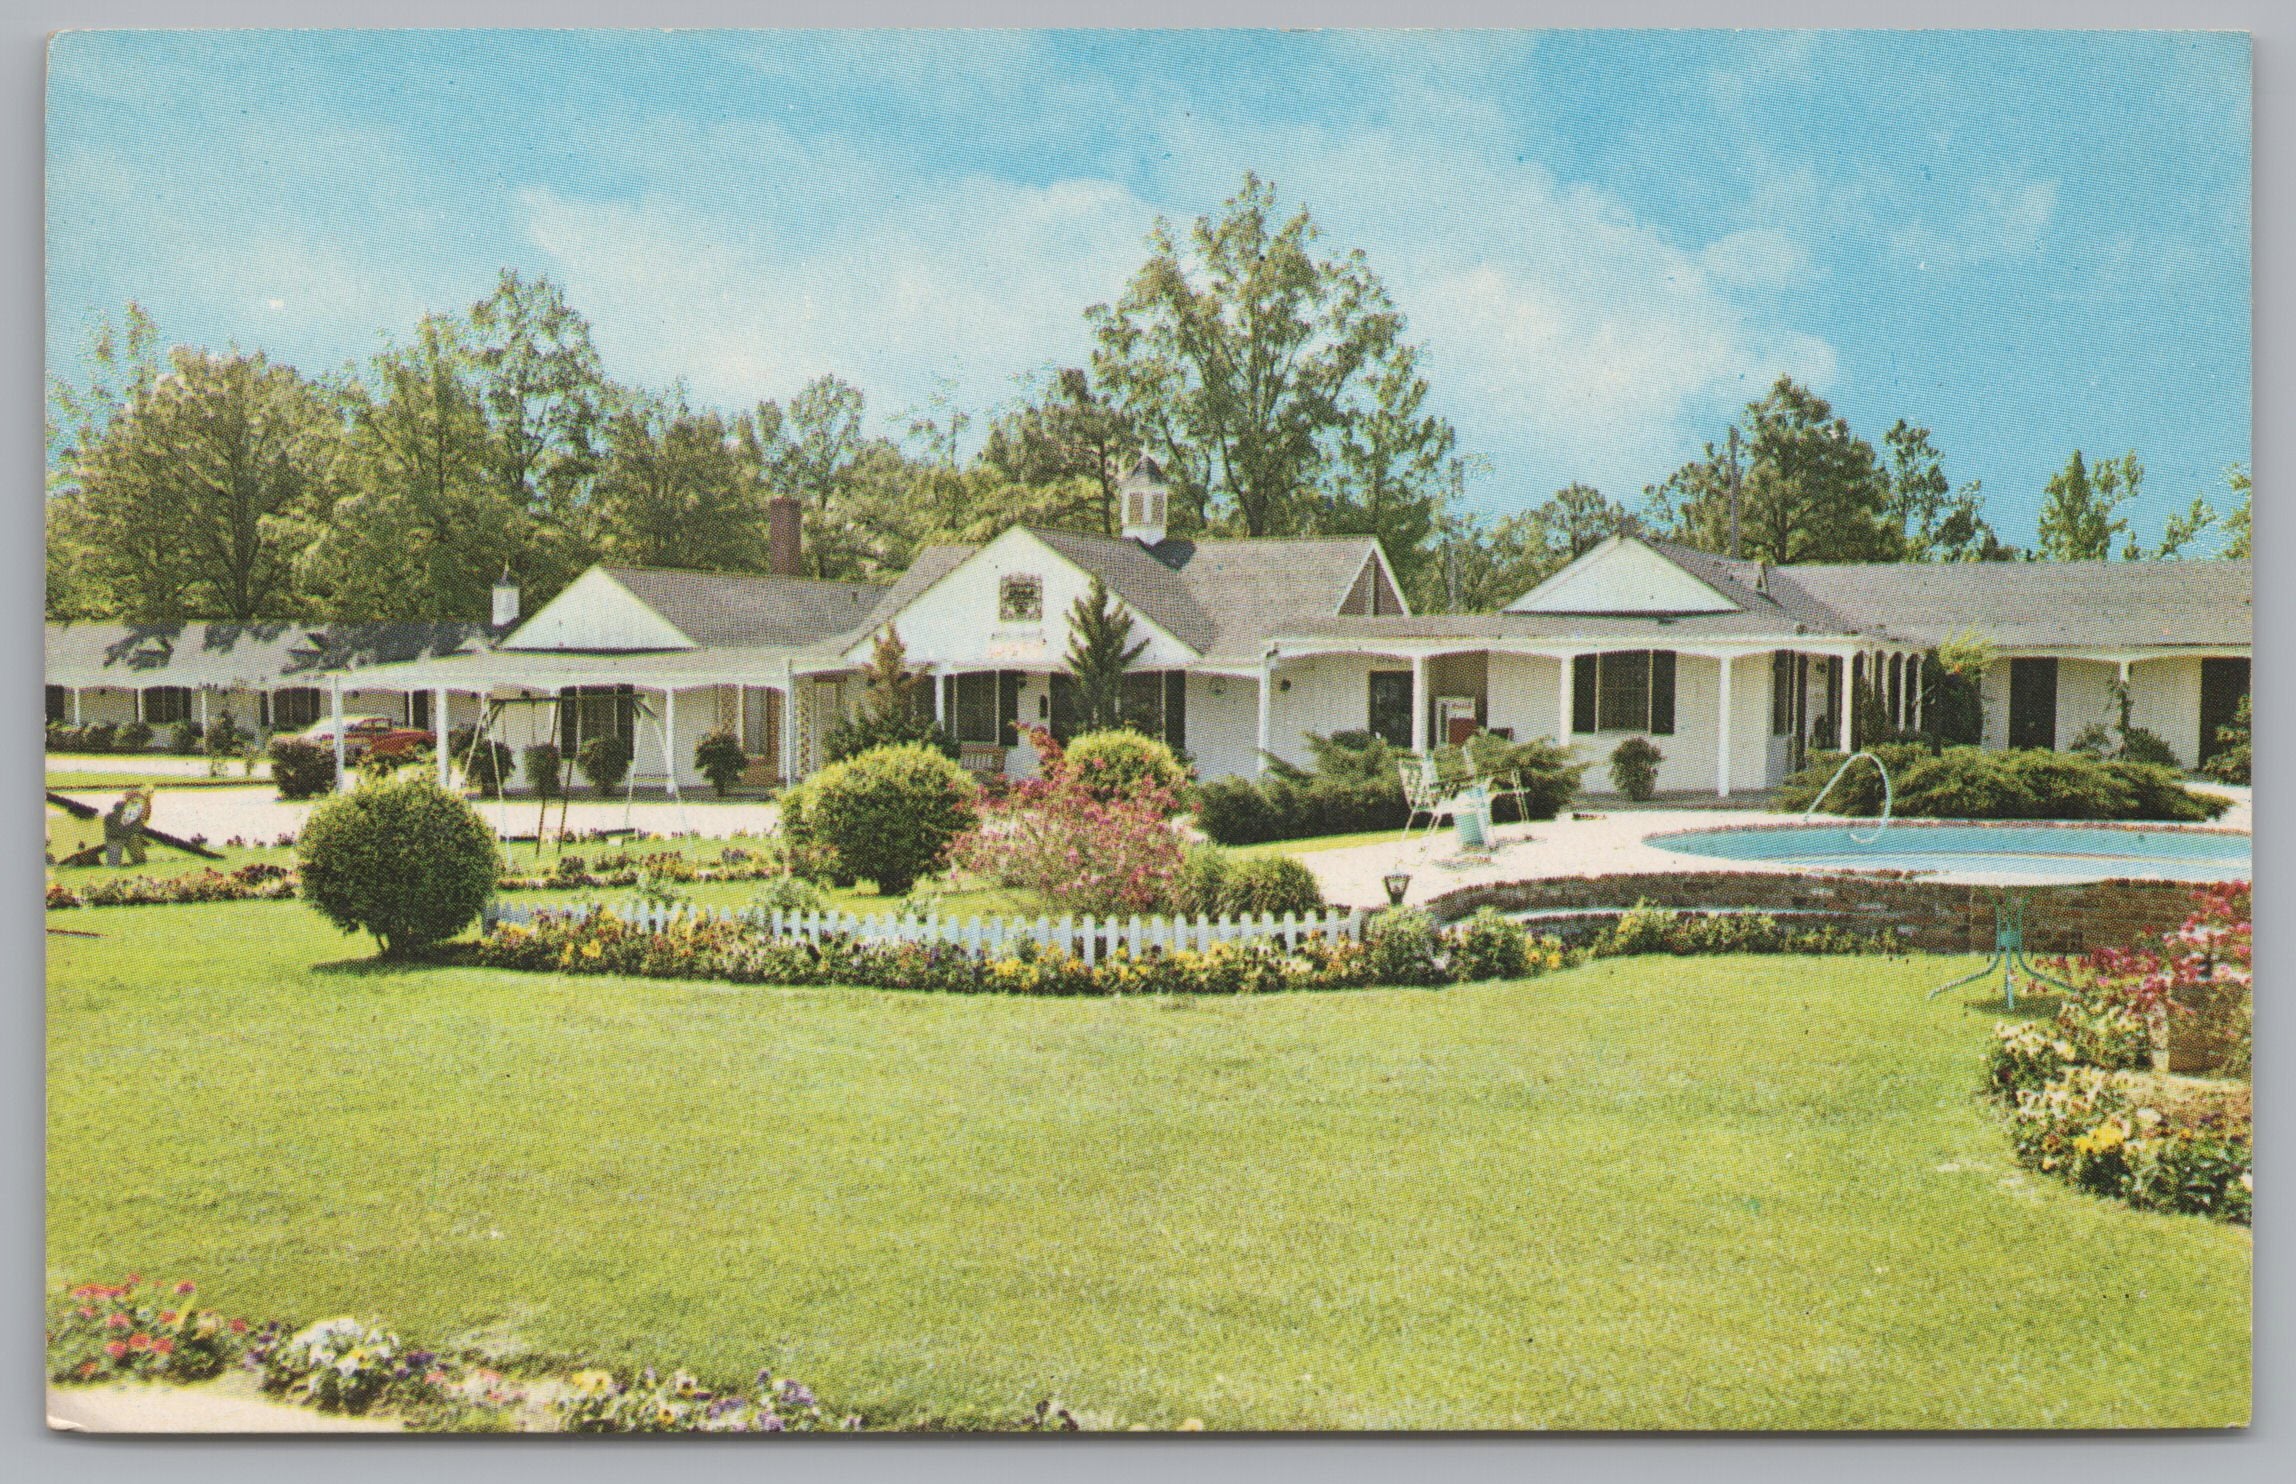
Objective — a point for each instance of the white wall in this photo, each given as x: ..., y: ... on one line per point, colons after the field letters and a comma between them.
x: 596, y: 612
x: 1223, y: 725
x: 1328, y: 693
x: 955, y: 621
x: 1525, y: 695
x: 1690, y: 753
x: 2084, y: 697
x: 2165, y: 696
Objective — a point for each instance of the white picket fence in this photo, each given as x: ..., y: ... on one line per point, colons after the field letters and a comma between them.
x: 1087, y: 937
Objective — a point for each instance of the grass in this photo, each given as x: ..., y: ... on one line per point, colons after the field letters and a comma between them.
x: 1314, y: 843
x: 1720, y: 1193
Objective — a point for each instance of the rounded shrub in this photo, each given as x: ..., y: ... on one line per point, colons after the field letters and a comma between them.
x: 185, y: 739
x: 544, y: 767
x: 1235, y: 812
x: 1123, y: 764
x: 1489, y: 945
x: 402, y: 859
x: 301, y: 769
x: 1404, y: 947
x: 890, y: 813
x: 604, y: 761
x: 1269, y: 883
x: 135, y: 736
x: 720, y: 759
x: 1634, y: 768
x: 1202, y: 878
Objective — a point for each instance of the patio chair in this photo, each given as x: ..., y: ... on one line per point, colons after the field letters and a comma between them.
x: 1427, y: 794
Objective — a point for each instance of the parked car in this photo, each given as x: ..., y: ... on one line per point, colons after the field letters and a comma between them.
x: 363, y: 734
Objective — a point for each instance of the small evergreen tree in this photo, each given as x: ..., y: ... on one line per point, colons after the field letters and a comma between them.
x: 1098, y: 628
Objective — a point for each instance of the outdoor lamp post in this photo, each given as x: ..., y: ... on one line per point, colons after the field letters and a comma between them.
x: 1397, y: 884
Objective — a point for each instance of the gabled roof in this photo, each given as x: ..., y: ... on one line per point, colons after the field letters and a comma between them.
x: 1150, y: 585
x: 241, y: 654
x: 2040, y: 605
x: 1625, y: 574
x: 722, y: 609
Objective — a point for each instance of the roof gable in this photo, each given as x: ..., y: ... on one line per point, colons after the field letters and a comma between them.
x: 596, y: 611
x: 1622, y: 574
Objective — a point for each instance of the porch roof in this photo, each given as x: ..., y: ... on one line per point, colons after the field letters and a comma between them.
x: 1568, y: 631
x: 548, y: 669
x: 228, y: 655
x: 2042, y: 605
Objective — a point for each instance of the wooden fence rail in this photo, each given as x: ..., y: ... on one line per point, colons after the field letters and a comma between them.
x: 1086, y: 937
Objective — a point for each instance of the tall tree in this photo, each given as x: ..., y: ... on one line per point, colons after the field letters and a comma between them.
x: 1099, y: 652
x: 2081, y: 516
x: 427, y: 524
x: 812, y: 445
x: 1935, y: 522
x: 2237, y: 524
x: 201, y: 488
x: 122, y: 361
x: 1238, y: 356
x: 1394, y: 470
x: 545, y: 396
x: 1812, y: 490
x: 1066, y: 433
x: 680, y: 488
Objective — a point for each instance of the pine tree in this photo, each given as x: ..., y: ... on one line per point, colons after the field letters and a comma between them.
x: 1098, y: 627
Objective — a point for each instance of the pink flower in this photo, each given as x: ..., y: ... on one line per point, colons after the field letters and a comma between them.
x: 115, y: 1349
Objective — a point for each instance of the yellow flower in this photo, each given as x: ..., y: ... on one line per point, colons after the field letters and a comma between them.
x: 1193, y: 1424
x: 591, y: 1383
x: 590, y: 950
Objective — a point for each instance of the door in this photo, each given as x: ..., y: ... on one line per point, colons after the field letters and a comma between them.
x: 2033, y: 703
x: 1389, y: 714
x: 2222, y: 684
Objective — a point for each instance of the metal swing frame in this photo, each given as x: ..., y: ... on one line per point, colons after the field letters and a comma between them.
x: 642, y: 711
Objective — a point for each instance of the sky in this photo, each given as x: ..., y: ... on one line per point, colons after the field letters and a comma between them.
x: 1607, y: 241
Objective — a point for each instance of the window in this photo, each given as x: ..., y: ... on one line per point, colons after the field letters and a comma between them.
x: 295, y: 708
x: 1020, y: 599
x: 975, y: 711
x: 166, y: 704
x: 1782, y: 693
x: 761, y: 721
x: 1390, y: 711
x: 418, y: 710
x: 59, y: 704
x: 1625, y: 690
x: 586, y: 711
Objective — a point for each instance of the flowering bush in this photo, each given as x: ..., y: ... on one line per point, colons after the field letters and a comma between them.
x: 1079, y: 843
x: 103, y: 1332
x: 1644, y: 928
x: 342, y: 1365
x: 1119, y: 764
x: 595, y: 1402
x: 1489, y: 946
x: 2081, y: 1107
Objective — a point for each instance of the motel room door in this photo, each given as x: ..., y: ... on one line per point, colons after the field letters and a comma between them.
x: 2222, y: 684
x: 2033, y: 703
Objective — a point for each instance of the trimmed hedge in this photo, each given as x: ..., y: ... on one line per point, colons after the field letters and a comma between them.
x: 402, y: 859
x: 1971, y: 783
x: 1357, y: 786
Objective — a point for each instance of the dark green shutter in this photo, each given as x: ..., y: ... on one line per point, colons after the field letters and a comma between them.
x: 1008, y: 707
x: 1176, y: 710
x: 1662, y: 693
x: 1582, y: 693
x: 569, y: 703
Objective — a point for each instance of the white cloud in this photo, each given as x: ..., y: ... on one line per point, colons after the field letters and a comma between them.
x: 2001, y: 220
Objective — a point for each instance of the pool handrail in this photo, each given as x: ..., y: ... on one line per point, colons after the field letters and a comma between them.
x: 1888, y: 795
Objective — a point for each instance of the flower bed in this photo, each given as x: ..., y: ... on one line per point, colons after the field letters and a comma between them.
x: 132, y: 1331
x: 263, y: 881
x: 2091, y: 1095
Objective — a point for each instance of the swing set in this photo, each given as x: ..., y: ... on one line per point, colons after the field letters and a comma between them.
x: 498, y: 708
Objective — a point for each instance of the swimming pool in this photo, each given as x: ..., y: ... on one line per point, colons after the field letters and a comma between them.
x: 1982, y: 853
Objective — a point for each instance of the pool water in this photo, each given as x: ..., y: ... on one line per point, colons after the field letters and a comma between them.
x: 1982, y: 853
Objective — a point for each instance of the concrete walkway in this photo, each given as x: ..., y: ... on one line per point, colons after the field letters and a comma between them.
x: 258, y: 815
x: 233, y: 1404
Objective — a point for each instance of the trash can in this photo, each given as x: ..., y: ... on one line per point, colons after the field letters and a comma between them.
x: 1474, y: 819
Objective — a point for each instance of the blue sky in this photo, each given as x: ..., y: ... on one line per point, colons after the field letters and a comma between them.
x: 2029, y: 242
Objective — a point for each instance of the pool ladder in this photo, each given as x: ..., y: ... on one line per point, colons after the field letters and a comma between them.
x: 1888, y: 795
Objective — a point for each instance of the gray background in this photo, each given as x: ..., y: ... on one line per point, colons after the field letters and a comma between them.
x: 35, y: 1453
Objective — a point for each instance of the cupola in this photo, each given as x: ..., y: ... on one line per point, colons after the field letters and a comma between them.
x: 1146, y: 500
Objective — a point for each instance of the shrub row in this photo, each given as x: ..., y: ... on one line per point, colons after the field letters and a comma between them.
x: 1357, y: 786
x: 1971, y: 783
x: 1399, y: 948
x: 101, y: 736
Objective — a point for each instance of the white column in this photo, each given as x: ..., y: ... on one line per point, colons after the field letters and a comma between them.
x: 1916, y: 677
x: 75, y: 705
x: 940, y: 695
x: 1267, y: 688
x: 1842, y: 700
x: 342, y: 773
x: 1722, y: 739
x: 203, y: 700
x: 670, y: 740
x: 788, y: 757
x: 438, y: 717
x: 1569, y: 663
x: 1419, y: 703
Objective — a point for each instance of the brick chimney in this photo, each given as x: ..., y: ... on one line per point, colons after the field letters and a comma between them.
x: 784, y: 541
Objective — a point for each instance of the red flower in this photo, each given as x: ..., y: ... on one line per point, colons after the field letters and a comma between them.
x: 87, y: 1368
x: 167, y: 1316
x: 186, y: 1287
x: 239, y: 1326
x: 139, y: 1342
x: 163, y: 1346
x: 117, y: 1321
x: 133, y: 1280
x: 115, y: 1349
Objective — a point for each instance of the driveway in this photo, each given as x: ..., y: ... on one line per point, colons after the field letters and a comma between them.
x: 258, y: 815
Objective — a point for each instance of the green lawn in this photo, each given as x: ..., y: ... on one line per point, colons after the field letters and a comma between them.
x: 1648, y: 1193
x: 1314, y: 843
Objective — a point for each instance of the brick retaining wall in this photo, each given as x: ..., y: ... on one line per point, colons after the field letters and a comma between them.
x: 1932, y: 916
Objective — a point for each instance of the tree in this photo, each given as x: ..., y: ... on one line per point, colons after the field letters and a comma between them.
x: 545, y: 395
x: 2236, y: 525
x: 401, y: 858
x: 1394, y: 470
x: 810, y: 446
x: 679, y: 488
x: 427, y: 526
x: 2181, y: 530
x: 200, y: 488
x: 1237, y: 359
x: 1099, y: 654
x: 1069, y: 434
x: 1492, y: 567
x: 2079, y: 519
x: 1935, y: 522
x: 1812, y: 490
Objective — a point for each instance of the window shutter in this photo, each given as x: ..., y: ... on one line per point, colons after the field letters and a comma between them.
x: 1662, y: 692
x: 1176, y: 709
x: 569, y: 711
x: 1008, y: 707
x: 1582, y: 693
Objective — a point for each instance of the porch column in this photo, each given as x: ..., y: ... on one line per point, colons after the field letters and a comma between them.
x: 335, y: 691
x: 75, y: 705
x: 1916, y: 680
x: 203, y: 699
x: 1848, y: 683
x: 788, y: 758
x: 1267, y: 686
x: 670, y: 740
x: 1419, y: 703
x: 1722, y: 738
x: 941, y: 696
x: 1569, y: 663
x: 438, y: 736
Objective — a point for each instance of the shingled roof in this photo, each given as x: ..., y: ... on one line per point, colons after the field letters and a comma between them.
x: 2040, y: 605
x: 255, y: 655
x: 722, y: 609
